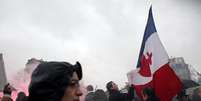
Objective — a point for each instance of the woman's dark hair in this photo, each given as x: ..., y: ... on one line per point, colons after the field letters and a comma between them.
x: 50, y: 79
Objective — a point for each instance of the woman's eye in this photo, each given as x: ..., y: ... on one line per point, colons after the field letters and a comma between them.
x: 75, y: 84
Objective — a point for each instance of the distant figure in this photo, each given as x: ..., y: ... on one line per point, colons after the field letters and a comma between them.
x: 55, y: 81
x: 148, y: 94
x: 199, y: 92
x: 90, y: 93
x: 21, y: 96
x: 100, y: 95
x: 114, y: 93
x: 182, y: 96
x: 132, y: 96
x: 196, y: 95
x: 7, y: 90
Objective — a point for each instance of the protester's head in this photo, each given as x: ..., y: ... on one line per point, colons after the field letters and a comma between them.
x: 21, y: 96
x: 90, y: 88
x: 111, y: 86
x: 7, y: 93
x: 148, y: 94
x: 55, y: 81
x: 100, y: 95
x: 7, y: 89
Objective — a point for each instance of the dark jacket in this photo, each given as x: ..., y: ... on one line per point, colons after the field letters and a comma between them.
x: 90, y: 96
x: 117, y: 96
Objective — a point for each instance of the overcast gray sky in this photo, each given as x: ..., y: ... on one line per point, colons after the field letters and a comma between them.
x: 104, y: 35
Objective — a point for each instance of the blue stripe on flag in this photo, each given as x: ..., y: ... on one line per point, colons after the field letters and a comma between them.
x: 149, y: 30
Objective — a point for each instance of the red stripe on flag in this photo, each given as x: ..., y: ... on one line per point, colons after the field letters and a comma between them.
x: 139, y: 88
x: 166, y: 83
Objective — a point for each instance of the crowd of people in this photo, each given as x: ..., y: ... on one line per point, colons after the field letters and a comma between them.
x: 59, y: 81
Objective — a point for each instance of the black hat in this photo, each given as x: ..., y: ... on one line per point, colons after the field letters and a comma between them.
x: 50, y: 79
x: 78, y: 70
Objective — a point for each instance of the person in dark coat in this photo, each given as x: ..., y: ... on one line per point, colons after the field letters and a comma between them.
x: 114, y: 93
x: 90, y: 93
x: 100, y: 95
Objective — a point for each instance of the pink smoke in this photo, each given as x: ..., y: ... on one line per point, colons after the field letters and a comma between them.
x: 21, y: 79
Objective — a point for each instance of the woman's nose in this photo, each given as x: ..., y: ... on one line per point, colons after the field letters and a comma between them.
x: 79, y: 92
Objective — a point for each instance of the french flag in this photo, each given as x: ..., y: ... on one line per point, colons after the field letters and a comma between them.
x: 153, y: 68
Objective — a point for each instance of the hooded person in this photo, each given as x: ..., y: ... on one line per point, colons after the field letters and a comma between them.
x: 55, y: 81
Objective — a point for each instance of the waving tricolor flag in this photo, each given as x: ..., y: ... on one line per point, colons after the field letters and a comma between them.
x: 153, y: 68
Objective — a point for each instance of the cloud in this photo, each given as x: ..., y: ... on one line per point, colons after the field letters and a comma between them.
x: 105, y: 36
